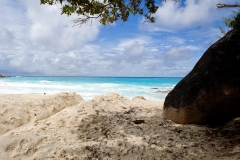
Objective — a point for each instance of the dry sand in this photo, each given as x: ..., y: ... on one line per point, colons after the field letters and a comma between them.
x: 64, y: 126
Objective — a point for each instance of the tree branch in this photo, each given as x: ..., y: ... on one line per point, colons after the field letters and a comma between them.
x: 227, y: 5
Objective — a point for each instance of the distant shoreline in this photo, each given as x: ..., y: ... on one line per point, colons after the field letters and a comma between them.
x: 1, y: 76
x: 101, y: 76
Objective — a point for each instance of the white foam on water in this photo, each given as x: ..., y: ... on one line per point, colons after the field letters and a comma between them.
x: 45, y: 81
x: 85, y: 89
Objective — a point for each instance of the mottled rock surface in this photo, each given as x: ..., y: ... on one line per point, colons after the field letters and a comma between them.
x: 210, y: 93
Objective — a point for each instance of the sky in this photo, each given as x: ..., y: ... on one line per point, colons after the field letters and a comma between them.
x: 36, y: 40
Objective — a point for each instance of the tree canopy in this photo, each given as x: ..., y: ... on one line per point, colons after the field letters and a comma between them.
x: 109, y: 11
x: 230, y: 22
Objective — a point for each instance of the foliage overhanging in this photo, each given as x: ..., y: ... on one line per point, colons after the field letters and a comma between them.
x: 109, y: 11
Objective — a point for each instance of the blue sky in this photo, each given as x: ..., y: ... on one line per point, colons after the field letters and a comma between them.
x: 37, y: 40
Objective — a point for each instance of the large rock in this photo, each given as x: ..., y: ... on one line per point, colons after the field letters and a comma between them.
x: 1, y: 76
x: 210, y: 93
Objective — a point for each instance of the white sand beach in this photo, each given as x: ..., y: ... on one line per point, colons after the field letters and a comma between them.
x: 65, y: 126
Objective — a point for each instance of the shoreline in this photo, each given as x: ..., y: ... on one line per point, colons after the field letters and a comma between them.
x: 90, y: 87
x: 65, y: 126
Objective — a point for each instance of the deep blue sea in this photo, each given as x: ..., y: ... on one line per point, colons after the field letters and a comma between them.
x: 88, y: 87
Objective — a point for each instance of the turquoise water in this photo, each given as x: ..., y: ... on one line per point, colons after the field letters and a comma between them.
x: 88, y: 87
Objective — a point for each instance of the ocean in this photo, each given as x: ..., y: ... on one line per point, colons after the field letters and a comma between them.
x: 151, y: 88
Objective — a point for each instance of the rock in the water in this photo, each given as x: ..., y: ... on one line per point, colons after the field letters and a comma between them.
x: 1, y: 76
x: 210, y: 93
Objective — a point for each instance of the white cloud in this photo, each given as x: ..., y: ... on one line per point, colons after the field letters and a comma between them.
x: 6, y: 36
x: 134, y: 52
x: 127, y: 42
x: 135, y: 49
x: 51, y: 30
x: 173, y: 16
x: 178, y: 54
x: 41, y: 41
x: 176, y: 40
x: 174, y: 55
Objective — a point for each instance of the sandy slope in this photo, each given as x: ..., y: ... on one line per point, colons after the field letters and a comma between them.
x: 64, y: 126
